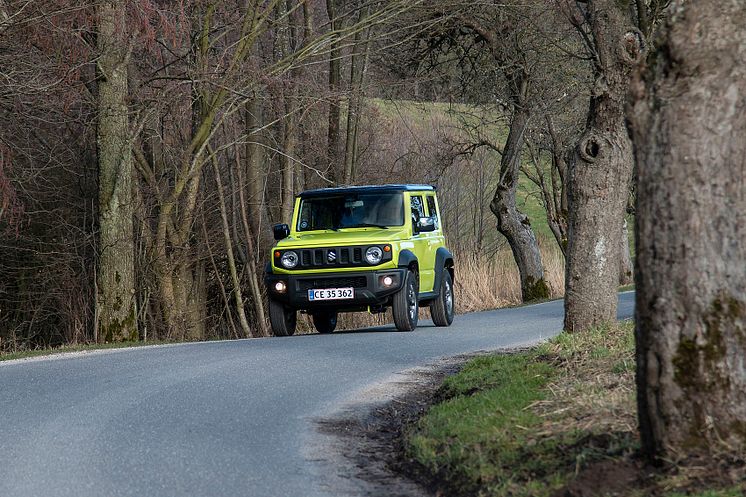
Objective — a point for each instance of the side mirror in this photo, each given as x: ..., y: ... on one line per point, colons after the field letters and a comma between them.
x: 281, y: 231
x: 426, y: 225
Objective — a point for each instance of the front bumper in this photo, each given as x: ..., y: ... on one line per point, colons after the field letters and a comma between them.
x: 368, y: 289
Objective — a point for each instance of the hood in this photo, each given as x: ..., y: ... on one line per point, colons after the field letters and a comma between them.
x: 355, y: 236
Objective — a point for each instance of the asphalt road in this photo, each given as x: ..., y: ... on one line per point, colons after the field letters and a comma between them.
x: 215, y: 419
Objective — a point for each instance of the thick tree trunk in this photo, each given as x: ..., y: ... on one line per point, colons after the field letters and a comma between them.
x: 512, y: 223
x: 601, y: 173
x: 116, y: 309
x: 691, y: 237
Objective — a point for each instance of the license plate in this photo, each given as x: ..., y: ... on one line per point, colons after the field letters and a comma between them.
x: 331, y: 294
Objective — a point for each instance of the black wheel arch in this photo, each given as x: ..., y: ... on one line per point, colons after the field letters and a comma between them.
x: 443, y: 262
x: 407, y: 260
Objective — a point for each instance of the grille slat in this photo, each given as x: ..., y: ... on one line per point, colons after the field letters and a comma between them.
x: 318, y: 258
x: 342, y: 282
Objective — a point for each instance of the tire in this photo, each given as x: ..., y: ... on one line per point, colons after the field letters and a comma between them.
x: 442, y: 308
x: 282, y: 319
x: 405, y: 306
x: 325, y: 322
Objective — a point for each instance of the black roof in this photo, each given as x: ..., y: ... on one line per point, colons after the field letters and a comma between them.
x: 322, y: 192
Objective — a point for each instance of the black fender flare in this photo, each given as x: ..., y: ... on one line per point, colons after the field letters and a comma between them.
x: 406, y: 258
x: 443, y: 262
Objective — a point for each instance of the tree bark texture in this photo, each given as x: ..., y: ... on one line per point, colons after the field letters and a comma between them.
x: 335, y: 83
x: 601, y: 173
x: 116, y: 308
x: 689, y: 126
x: 512, y: 223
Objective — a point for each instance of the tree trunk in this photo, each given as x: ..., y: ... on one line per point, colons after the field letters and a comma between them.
x: 116, y: 309
x: 691, y: 227
x: 358, y: 61
x: 512, y: 223
x: 601, y: 173
x: 335, y: 80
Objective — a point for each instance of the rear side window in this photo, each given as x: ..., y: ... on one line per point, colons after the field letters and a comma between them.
x: 432, y: 210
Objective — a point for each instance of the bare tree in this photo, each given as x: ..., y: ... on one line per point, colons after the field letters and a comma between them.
x: 117, y: 313
x: 504, y: 39
x: 689, y: 125
x: 600, y: 175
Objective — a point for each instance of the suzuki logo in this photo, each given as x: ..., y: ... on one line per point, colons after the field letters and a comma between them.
x: 331, y: 256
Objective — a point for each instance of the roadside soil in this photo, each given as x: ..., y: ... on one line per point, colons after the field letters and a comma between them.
x: 367, y: 438
x: 366, y: 456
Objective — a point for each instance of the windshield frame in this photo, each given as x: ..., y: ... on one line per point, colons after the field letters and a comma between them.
x: 367, y: 222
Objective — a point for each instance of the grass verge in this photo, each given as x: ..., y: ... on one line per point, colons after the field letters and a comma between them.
x: 25, y: 354
x: 556, y: 420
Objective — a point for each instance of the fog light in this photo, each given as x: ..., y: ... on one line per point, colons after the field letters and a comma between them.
x: 388, y: 281
x: 281, y: 287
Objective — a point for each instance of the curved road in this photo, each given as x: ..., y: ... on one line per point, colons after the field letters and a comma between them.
x: 214, y: 419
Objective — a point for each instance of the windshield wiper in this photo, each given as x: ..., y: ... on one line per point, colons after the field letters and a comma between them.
x: 368, y: 225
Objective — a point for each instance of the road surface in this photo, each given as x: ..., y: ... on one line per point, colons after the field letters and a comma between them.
x: 215, y: 419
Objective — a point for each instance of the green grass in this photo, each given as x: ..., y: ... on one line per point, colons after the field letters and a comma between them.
x: 477, y: 438
x: 485, y: 438
x: 525, y: 424
x: 24, y: 354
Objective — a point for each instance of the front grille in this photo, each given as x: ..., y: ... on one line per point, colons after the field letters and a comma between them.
x: 342, y: 282
x: 324, y: 258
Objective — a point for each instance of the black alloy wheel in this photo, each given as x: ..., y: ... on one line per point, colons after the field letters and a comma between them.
x: 442, y: 308
x: 282, y: 319
x: 405, y: 305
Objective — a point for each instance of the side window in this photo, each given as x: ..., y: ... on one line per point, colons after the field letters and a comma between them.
x: 418, y: 209
x: 432, y: 210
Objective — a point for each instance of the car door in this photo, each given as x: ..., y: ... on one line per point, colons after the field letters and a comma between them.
x: 422, y: 241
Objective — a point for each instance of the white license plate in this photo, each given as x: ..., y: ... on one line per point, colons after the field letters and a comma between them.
x: 331, y: 294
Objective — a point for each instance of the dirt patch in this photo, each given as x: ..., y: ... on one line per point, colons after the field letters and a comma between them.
x: 609, y: 478
x: 360, y: 448
x: 365, y: 442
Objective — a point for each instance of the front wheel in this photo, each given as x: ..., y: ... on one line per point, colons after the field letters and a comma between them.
x: 325, y: 322
x: 441, y: 309
x: 282, y: 319
x: 405, y: 306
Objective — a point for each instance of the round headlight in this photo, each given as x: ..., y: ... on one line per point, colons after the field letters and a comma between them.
x: 374, y: 255
x: 289, y: 259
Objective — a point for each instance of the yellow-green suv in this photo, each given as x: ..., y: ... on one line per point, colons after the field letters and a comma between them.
x: 363, y: 248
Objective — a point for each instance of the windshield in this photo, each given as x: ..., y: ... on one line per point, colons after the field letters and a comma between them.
x: 358, y: 210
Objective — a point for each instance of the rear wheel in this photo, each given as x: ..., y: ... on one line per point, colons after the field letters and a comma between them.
x: 442, y: 308
x: 282, y: 319
x: 325, y: 322
x: 405, y: 306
